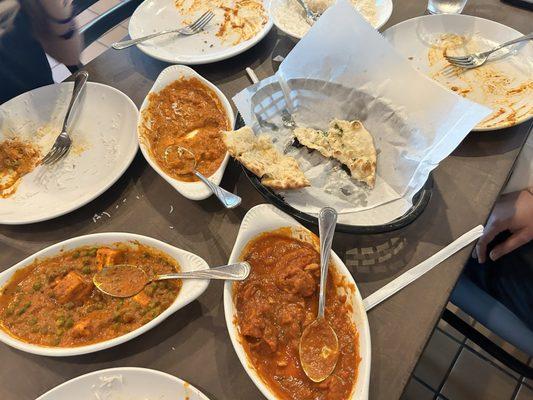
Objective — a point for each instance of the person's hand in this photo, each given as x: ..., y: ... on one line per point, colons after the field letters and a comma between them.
x: 512, y: 212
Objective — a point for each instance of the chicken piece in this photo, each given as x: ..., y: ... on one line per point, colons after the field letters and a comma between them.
x: 106, y: 256
x: 142, y: 298
x: 296, y: 281
x: 72, y: 288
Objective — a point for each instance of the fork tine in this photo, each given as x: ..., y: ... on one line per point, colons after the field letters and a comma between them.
x: 48, y: 156
x: 462, y: 63
x: 206, y: 21
x: 62, y: 153
x: 458, y: 58
x: 57, y: 156
x: 202, y: 21
x: 199, y: 20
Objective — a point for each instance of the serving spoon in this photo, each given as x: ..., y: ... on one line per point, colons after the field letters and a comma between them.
x: 319, y: 345
x: 126, y: 280
x: 187, y: 165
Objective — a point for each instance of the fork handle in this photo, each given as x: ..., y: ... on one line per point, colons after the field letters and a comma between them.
x: 80, y: 79
x: 510, y: 42
x: 128, y: 43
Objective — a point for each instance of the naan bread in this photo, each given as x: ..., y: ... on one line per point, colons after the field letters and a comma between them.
x: 349, y: 143
x: 257, y: 154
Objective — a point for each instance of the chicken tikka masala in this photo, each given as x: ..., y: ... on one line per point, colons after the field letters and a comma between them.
x: 185, y: 114
x: 274, y: 305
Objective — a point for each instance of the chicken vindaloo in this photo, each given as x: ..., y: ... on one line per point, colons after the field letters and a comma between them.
x: 53, y: 301
x: 274, y: 305
x: 185, y: 114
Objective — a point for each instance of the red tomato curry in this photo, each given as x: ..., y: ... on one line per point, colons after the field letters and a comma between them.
x: 53, y: 301
x: 274, y: 305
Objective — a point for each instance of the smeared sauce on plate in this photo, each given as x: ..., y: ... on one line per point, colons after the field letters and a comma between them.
x: 189, y: 114
x: 237, y: 20
x: 496, y: 84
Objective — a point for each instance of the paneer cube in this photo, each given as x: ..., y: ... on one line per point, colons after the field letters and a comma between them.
x: 142, y: 298
x: 72, y: 288
x: 106, y: 256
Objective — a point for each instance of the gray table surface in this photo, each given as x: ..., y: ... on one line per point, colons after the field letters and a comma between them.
x: 193, y: 344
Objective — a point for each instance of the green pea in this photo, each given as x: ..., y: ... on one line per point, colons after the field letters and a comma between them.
x: 86, y: 269
x: 60, y: 321
x: 76, y: 254
x: 69, y: 323
x: 37, y: 286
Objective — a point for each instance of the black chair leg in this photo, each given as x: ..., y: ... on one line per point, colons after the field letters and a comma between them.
x: 488, y: 345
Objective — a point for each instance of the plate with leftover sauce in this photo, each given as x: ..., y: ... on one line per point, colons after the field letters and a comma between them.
x: 101, y: 151
x: 125, y: 383
x: 504, y: 83
x: 289, y: 16
x: 184, y: 110
x: 266, y: 313
x: 49, y: 305
x: 236, y: 26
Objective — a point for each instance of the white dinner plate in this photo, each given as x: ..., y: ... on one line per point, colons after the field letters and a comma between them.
x: 103, y: 131
x: 415, y: 37
x: 191, y: 190
x: 265, y: 218
x: 383, y: 13
x: 190, y: 290
x: 205, y: 47
x: 124, y: 384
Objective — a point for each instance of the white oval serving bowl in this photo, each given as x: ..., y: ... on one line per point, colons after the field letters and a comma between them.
x: 383, y: 11
x: 190, y: 190
x: 265, y: 218
x: 190, y: 290
x: 124, y: 383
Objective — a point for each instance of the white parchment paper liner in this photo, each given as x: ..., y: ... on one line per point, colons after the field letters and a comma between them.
x: 345, y: 69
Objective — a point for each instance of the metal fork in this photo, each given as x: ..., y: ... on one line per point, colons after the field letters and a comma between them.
x: 475, y: 60
x: 188, y: 30
x: 63, y: 142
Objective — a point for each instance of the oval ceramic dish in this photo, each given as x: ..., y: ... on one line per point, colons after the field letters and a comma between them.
x: 190, y: 290
x: 124, y: 383
x: 265, y: 218
x: 190, y: 190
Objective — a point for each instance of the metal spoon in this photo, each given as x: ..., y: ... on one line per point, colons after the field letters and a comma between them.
x: 125, y: 280
x: 310, y: 16
x: 188, y: 166
x: 319, y: 346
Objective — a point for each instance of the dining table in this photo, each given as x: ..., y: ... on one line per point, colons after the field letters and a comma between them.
x: 193, y: 344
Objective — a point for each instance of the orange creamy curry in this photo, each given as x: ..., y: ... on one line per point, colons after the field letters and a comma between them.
x: 185, y: 114
x: 274, y: 305
x: 53, y: 301
x: 17, y: 158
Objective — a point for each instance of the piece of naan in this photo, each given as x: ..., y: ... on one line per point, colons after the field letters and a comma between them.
x: 257, y: 154
x: 346, y: 141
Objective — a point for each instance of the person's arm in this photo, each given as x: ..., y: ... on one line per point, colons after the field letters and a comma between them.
x: 56, y: 30
x: 513, y: 212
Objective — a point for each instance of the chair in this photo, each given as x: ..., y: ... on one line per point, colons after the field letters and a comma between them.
x: 103, y: 23
x: 496, y: 317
